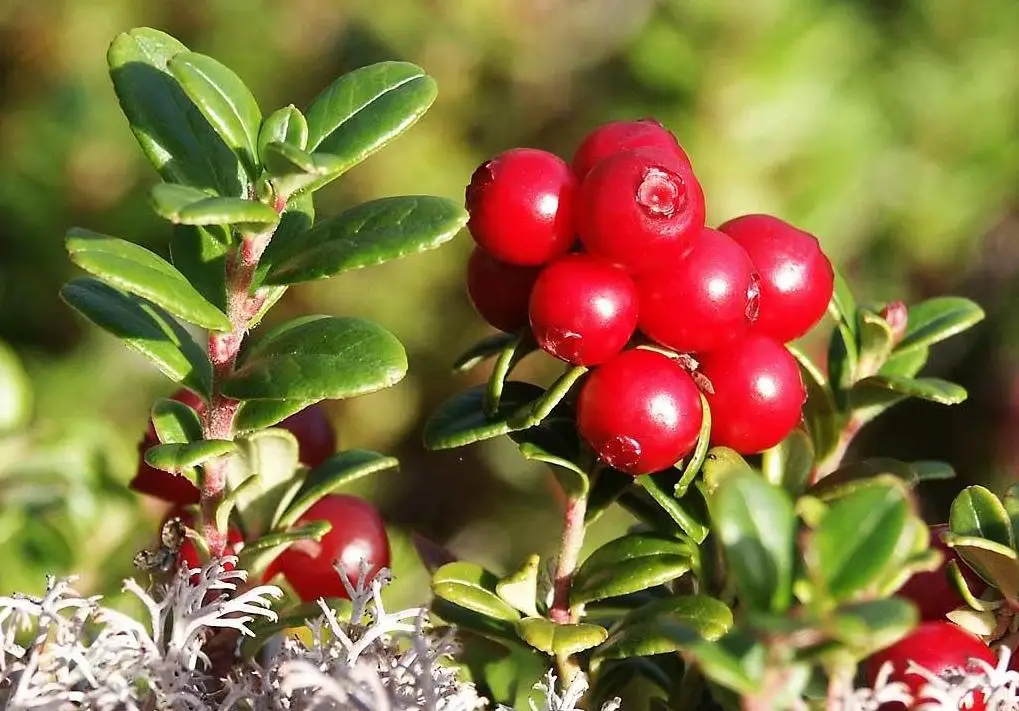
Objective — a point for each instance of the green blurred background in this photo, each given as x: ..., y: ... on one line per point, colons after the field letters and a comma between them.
x: 888, y: 128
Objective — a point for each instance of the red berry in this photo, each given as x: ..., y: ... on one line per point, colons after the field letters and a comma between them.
x: 618, y: 136
x: 932, y: 592
x: 315, y: 436
x: 640, y: 209
x: 797, y: 280
x: 189, y: 552
x: 942, y: 648
x: 703, y: 301
x: 499, y: 291
x: 164, y: 485
x: 758, y: 393
x: 641, y: 412
x: 521, y: 206
x: 358, y: 533
x: 583, y: 310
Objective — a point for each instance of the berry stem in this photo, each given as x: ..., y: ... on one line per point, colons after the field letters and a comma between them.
x: 569, y: 553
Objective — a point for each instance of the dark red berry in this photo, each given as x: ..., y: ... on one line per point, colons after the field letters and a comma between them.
x: 797, y: 280
x: 358, y: 534
x: 521, y: 206
x: 757, y: 396
x: 640, y: 209
x: 703, y: 301
x: 159, y: 484
x: 641, y: 412
x: 618, y: 136
x: 583, y: 310
x: 933, y: 592
x: 315, y: 436
x: 499, y: 291
x: 941, y: 648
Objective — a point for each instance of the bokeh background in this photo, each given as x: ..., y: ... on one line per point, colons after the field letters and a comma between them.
x: 889, y: 128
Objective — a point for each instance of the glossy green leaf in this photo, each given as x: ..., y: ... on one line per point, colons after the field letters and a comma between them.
x: 272, y: 456
x: 756, y: 524
x: 959, y: 582
x: 843, y: 348
x: 879, y: 392
x: 371, y: 233
x: 690, y: 524
x: 693, y: 465
x: 905, y: 364
x: 629, y: 564
x: 719, y: 463
x: 790, y: 463
x: 337, y: 471
x: 224, y: 100
x: 187, y: 206
x: 293, y: 170
x: 851, y: 476
x: 317, y: 358
x: 932, y: 470
x: 820, y: 413
x: 560, y: 640
x: 200, y: 254
x: 875, y: 341
x: 286, y: 125
x: 134, y: 269
x: 736, y: 662
x: 175, y: 422
x: 481, y: 351
x: 843, y: 304
x: 640, y: 632
x: 461, y: 420
x: 472, y: 587
x: 573, y: 480
x: 978, y: 513
x: 505, y: 362
x: 259, y: 414
x: 936, y: 319
x: 180, y: 457
x: 544, y: 405
x: 498, y: 630
x: 257, y: 555
x: 520, y: 589
x: 857, y: 537
x: 171, y: 130
x: 145, y: 328
x: 872, y: 625
x: 994, y: 563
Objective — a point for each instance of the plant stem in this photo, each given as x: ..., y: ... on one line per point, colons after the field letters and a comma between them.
x: 569, y: 553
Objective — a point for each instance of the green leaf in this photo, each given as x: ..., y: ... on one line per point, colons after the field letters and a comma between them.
x: 171, y: 130
x: 640, y: 633
x: 371, y: 233
x: 736, y: 661
x: 876, y: 341
x: 571, y: 477
x: 843, y: 348
x: 187, y: 206
x: 687, y: 522
x: 337, y: 471
x: 507, y: 360
x: 978, y: 513
x: 461, y: 420
x: 1011, y: 503
x: 696, y: 461
x: 544, y: 405
x: 259, y: 414
x: 905, y: 364
x: 936, y: 319
x: 499, y: 630
x: 719, y: 463
x: 629, y: 564
x: 756, y: 525
x: 294, y: 222
x: 317, y: 358
x: 200, y: 254
x: 134, y: 269
x: 472, y: 587
x: 272, y: 457
x: 286, y: 125
x: 880, y: 392
x: 175, y: 422
x: 520, y: 589
x: 606, y: 489
x: 856, y: 474
x: 293, y: 169
x: 176, y: 458
x: 931, y: 470
x: 257, y: 555
x: 994, y: 563
x: 872, y: 625
x: 145, y: 328
x: 843, y: 304
x: 857, y: 537
x: 362, y: 111
x: 820, y: 413
x: 481, y: 351
x: 790, y: 463
x: 224, y: 100
x: 560, y: 640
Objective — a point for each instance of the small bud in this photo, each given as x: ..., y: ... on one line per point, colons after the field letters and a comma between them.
x: 897, y: 316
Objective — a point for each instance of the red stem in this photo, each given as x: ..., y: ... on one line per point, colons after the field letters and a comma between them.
x: 569, y: 553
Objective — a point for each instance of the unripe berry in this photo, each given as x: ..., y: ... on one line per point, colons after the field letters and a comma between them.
x: 316, y: 439
x: 618, y: 136
x: 641, y: 412
x: 797, y: 280
x: 583, y: 310
x: 521, y: 206
x: 758, y: 393
x: 640, y: 209
x: 705, y: 300
x: 357, y: 534
x: 499, y: 291
x: 932, y: 592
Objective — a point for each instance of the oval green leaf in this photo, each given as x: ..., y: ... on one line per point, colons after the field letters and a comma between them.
x: 629, y: 564
x: 520, y: 589
x: 872, y: 625
x: 994, y: 563
x: 936, y: 319
x: 978, y: 513
x: 690, y: 524
x: 640, y: 633
x: 881, y: 391
x: 461, y: 420
x: 571, y: 477
x: 472, y: 587
x: 337, y: 471
x: 560, y: 640
x: 819, y: 412
x: 293, y: 170
x: 175, y: 422
x: 176, y: 458
x: 790, y: 463
x: 200, y: 254
x: 259, y: 414
x: 186, y: 206
x: 286, y: 125
x: 258, y: 554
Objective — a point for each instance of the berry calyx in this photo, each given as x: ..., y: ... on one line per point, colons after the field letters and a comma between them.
x: 641, y: 412
x: 640, y: 209
x: 316, y: 438
x: 757, y: 396
x: 500, y: 292
x: 703, y: 301
x: 942, y: 648
x: 797, y: 280
x: 358, y: 535
x: 521, y: 206
x: 618, y: 136
x: 933, y: 592
x: 168, y: 487
x: 583, y: 310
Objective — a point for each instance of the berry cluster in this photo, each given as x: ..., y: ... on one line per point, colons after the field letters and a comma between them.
x: 589, y: 254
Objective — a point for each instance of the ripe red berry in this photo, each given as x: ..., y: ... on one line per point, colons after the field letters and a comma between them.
x: 189, y: 552
x: 618, y: 136
x: 315, y: 436
x: 705, y: 300
x: 641, y: 412
x: 583, y: 310
x: 358, y: 533
x: 164, y: 485
x: 499, y: 291
x: 758, y: 393
x: 932, y: 592
x: 640, y: 209
x: 941, y: 648
x: 797, y: 280
x: 521, y: 206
